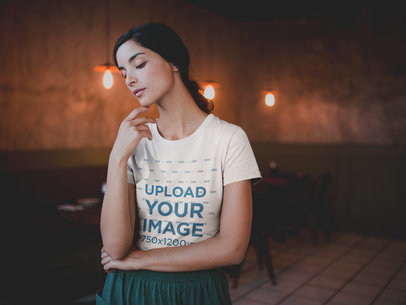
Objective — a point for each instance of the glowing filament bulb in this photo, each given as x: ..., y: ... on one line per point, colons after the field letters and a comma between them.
x: 107, y: 79
x: 209, y: 92
x: 270, y: 99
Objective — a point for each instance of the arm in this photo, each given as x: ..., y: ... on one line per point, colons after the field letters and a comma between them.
x: 226, y: 248
x: 118, y: 210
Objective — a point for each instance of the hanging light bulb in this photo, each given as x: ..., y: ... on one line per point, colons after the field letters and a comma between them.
x: 107, y: 79
x: 270, y: 99
x: 208, y: 89
x: 209, y: 92
x: 107, y: 68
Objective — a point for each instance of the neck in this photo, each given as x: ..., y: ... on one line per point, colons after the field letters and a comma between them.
x: 179, y: 115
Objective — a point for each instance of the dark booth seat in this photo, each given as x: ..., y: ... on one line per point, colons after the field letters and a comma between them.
x: 52, y: 257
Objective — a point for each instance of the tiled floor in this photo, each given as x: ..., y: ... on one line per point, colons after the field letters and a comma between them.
x: 347, y: 270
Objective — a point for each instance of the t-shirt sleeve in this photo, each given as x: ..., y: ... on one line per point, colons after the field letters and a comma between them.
x: 240, y: 163
x: 130, y: 171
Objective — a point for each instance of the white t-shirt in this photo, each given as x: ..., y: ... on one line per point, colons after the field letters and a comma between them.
x: 179, y: 183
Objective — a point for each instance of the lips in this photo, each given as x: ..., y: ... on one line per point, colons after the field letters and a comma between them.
x: 138, y: 92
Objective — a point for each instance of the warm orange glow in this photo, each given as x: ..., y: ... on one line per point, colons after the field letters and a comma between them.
x: 107, y: 79
x: 209, y: 92
x: 102, y: 68
x: 270, y: 99
x: 209, y: 89
x: 107, y: 69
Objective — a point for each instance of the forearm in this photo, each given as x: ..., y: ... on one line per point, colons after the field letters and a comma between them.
x: 116, y: 222
x: 211, y: 253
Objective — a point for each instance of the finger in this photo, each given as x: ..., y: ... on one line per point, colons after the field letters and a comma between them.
x: 106, y: 260
x: 146, y: 134
x: 109, y: 267
x: 133, y: 114
x: 143, y: 131
x: 141, y: 121
x: 141, y: 128
x: 104, y: 254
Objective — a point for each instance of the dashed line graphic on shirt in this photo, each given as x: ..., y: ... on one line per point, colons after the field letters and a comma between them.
x: 178, y: 161
x: 162, y: 171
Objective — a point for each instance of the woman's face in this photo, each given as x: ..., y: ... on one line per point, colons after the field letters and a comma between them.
x: 148, y: 76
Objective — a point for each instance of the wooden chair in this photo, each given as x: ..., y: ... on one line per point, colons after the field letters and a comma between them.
x: 319, y: 215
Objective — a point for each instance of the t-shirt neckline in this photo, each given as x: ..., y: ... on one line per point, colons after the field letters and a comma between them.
x: 156, y: 136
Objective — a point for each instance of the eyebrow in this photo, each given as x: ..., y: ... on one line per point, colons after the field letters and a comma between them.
x: 132, y: 58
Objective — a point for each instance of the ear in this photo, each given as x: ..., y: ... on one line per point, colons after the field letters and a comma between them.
x: 175, y: 68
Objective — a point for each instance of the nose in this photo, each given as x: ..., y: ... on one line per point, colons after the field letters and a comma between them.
x: 131, y: 79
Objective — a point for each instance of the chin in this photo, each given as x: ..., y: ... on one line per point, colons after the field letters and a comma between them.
x: 145, y: 103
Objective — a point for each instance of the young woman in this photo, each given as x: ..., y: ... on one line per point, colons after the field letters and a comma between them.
x: 177, y: 205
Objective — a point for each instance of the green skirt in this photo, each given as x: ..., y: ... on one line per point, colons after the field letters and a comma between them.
x: 143, y: 287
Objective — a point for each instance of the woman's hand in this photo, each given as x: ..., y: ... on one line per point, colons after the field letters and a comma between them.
x: 130, y: 262
x: 132, y: 129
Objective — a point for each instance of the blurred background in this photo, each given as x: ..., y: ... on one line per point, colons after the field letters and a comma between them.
x: 337, y: 72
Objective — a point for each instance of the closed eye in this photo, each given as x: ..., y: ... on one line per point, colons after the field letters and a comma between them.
x: 142, y: 65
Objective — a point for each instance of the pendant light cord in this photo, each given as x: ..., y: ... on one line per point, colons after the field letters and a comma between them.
x: 107, y: 32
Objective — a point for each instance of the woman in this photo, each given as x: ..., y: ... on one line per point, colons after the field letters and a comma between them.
x: 177, y: 205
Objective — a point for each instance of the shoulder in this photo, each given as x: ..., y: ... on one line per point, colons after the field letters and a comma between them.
x: 226, y: 129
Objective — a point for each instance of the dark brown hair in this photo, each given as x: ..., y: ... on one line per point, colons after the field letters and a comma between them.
x: 167, y: 43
